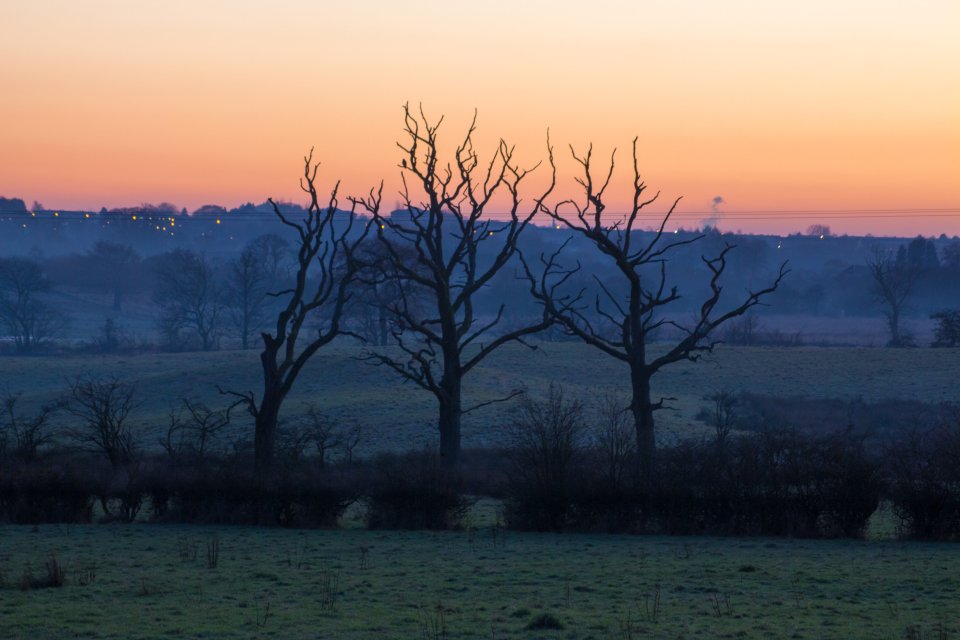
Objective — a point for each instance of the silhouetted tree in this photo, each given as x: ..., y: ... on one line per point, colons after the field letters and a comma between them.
x: 28, y: 319
x: 922, y: 254
x: 950, y: 255
x: 191, y: 299
x: 12, y: 205
x: 325, y: 269
x: 819, y: 230
x: 253, y: 274
x: 621, y: 325
x: 115, y: 266
x: 24, y: 436
x: 103, y: 409
x: 443, y: 249
x: 192, y: 429
x: 947, y: 331
x: 894, y: 278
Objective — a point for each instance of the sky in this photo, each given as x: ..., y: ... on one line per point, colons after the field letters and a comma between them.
x: 845, y: 113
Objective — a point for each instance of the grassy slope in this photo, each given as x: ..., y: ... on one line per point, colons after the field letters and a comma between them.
x: 395, y: 415
x: 593, y: 585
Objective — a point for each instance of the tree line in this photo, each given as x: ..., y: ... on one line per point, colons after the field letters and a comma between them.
x: 408, y: 283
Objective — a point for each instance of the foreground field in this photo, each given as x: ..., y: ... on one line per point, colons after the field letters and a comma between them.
x: 395, y: 416
x: 155, y: 582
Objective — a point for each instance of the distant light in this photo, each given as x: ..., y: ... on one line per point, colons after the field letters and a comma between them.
x: 821, y: 236
x: 134, y: 217
x: 383, y: 226
x: 56, y: 215
x: 33, y: 214
x: 86, y: 215
x: 218, y: 220
x: 491, y: 233
x: 676, y: 230
x: 164, y: 228
x: 172, y: 223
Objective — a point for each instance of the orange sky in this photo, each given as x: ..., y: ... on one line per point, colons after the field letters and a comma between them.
x: 769, y: 105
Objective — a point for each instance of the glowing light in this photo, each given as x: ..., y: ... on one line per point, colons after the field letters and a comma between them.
x: 86, y: 215
x: 218, y: 220
x: 134, y: 217
x: 383, y: 226
x: 56, y: 215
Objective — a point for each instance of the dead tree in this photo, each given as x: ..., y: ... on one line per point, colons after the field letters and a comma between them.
x: 325, y: 268
x: 640, y: 263
x: 26, y: 436
x: 894, y: 277
x: 190, y: 295
x: 30, y: 320
x: 441, y: 250
x: 103, y: 409
x: 252, y: 275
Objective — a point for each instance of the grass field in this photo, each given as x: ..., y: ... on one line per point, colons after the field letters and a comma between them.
x: 398, y: 416
x: 153, y: 581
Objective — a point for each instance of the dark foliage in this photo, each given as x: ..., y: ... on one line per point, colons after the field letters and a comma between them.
x: 415, y: 491
x: 925, y: 479
x: 772, y: 483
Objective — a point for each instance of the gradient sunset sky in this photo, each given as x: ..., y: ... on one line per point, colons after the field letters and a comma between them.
x: 815, y: 105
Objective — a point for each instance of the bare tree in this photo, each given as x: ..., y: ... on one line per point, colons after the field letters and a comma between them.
x: 114, y: 266
x: 894, y: 278
x: 103, y: 408
x: 442, y: 250
x: 193, y: 428
x: 640, y: 263
x: 947, y: 331
x: 191, y: 300
x: 325, y: 269
x: 25, y: 435
x: 28, y: 319
x: 253, y: 274
x: 722, y: 414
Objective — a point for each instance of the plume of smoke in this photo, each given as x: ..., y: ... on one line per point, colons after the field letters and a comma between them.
x: 714, y: 218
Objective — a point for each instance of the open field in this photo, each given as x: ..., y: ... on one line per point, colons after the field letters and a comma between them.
x: 154, y: 582
x: 395, y: 416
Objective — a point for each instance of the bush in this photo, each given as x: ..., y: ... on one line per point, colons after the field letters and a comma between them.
x: 42, y: 494
x: 546, y: 455
x: 925, y: 480
x: 301, y: 497
x: 414, y: 491
x: 777, y: 482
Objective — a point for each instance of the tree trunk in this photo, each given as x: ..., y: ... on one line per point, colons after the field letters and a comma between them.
x: 245, y: 331
x: 449, y: 424
x: 642, y: 409
x: 894, y: 322
x: 265, y: 431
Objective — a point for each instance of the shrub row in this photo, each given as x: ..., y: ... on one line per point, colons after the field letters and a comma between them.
x: 781, y: 483
x: 775, y: 484
x: 401, y: 492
